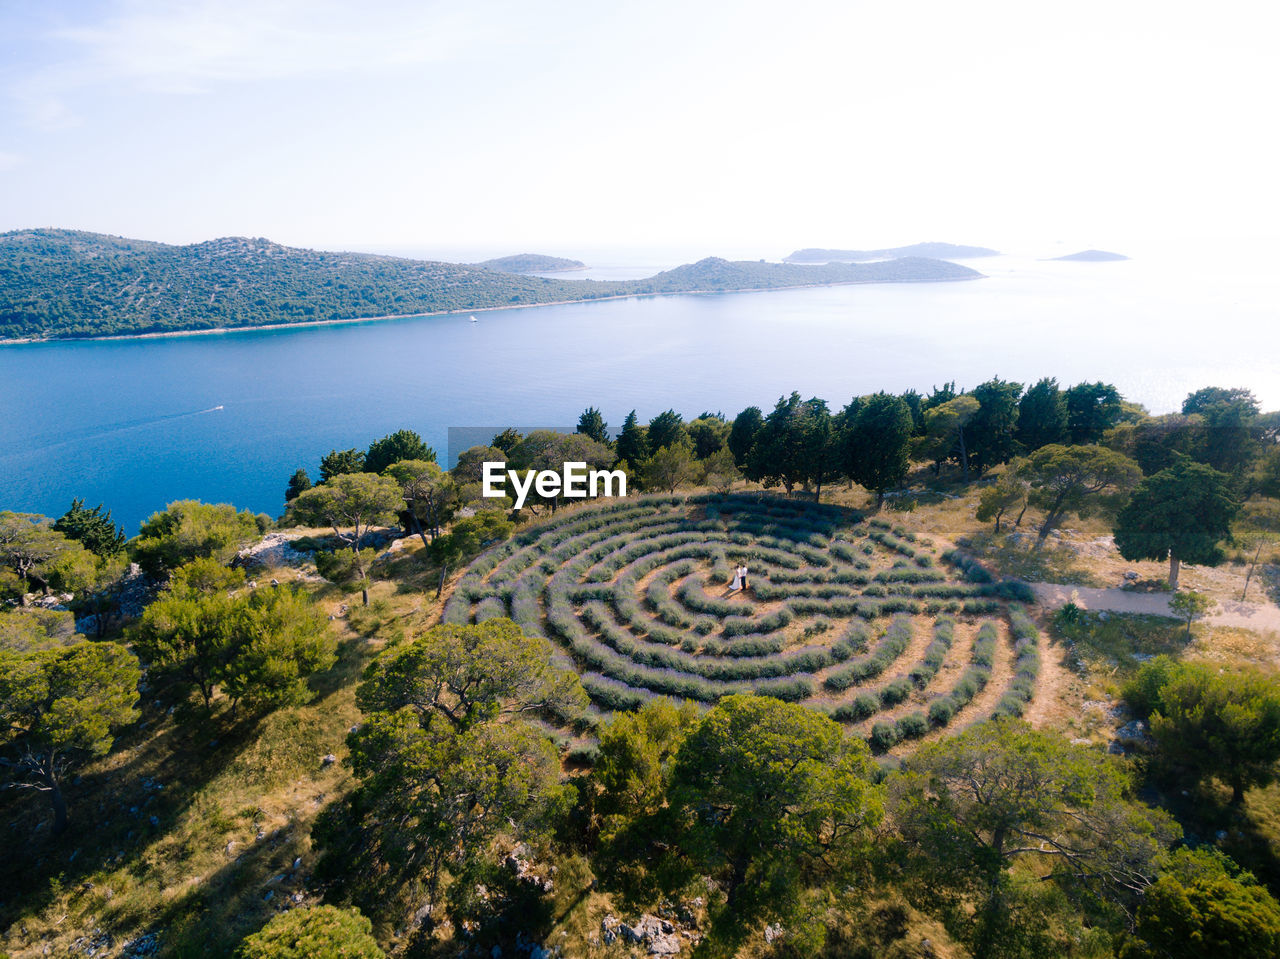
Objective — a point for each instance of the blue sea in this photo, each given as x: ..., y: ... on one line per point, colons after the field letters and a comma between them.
x: 135, y: 424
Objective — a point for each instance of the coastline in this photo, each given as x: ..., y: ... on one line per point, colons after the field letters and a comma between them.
x: 347, y: 321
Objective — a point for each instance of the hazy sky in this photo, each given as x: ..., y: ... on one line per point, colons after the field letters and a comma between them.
x: 565, y: 126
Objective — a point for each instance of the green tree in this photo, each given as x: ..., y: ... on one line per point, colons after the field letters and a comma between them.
x: 92, y: 528
x: 709, y: 433
x: 637, y: 757
x: 819, y: 450
x: 1008, y: 493
x: 972, y: 805
x: 719, y: 471
x: 507, y: 440
x: 592, y: 425
x: 549, y: 450
x: 742, y: 434
x: 468, y: 477
x: 1202, y: 905
x: 779, y: 452
x: 670, y: 467
x: 430, y: 495
x: 258, y: 648
x: 299, y: 483
x: 1042, y: 415
x: 1215, y: 725
x: 1156, y: 442
x: 992, y: 429
x: 877, y: 442
x: 633, y: 442
x: 1190, y: 606
x: 1182, y: 513
x: 445, y: 760
x: 341, y: 462
x: 1092, y: 409
x: 1227, y: 438
x: 1073, y: 479
x: 354, y: 502
x: 39, y: 555
x: 61, y: 706
x: 467, y: 538
x: 313, y: 932
x: 667, y: 429
x: 400, y: 445
x: 944, y: 432
x: 189, y: 529
x: 764, y: 792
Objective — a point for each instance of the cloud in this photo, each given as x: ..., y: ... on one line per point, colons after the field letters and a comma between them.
x: 9, y: 161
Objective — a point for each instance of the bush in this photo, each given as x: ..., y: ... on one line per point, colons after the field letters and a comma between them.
x: 912, y: 726
x: 884, y: 736
x: 313, y: 932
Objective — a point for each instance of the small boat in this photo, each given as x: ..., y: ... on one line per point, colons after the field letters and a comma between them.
x: 474, y: 320
x: 215, y: 409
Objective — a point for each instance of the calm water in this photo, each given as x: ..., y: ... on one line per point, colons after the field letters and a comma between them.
x: 133, y: 424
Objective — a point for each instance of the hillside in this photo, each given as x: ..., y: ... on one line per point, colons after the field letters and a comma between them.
x: 533, y: 263
x: 59, y: 284
x: 939, y: 251
x: 1093, y: 256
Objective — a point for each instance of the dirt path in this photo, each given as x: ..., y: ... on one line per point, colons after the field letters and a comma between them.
x: 1264, y: 617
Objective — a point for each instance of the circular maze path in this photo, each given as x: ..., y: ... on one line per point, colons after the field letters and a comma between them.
x: 859, y: 618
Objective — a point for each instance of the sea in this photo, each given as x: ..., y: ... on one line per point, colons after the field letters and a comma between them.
x: 137, y: 423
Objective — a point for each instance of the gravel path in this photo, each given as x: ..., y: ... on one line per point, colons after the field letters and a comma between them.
x: 1264, y: 617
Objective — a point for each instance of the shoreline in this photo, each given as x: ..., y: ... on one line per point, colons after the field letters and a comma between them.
x: 347, y: 321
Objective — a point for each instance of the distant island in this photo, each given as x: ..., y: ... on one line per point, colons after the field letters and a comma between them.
x: 533, y: 263
x: 1092, y: 256
x: 938, y: 251
x: 67, y: 284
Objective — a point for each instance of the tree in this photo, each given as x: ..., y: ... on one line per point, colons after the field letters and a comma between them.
x: 992, y: 429
x: 670, y: 467
x: 1213, y: 724
x: 1191, y: 606
x: 351, y: 501
x: 92, y: 528
x: 39, y: 555
x: 429, y: 494
x: 1008, y: 493
x: 507, y: 440
x: 1226, y: 439
x: 1092, y: 409
x: 258, y: 648
x: 341, y: 462
x: 742, y: 434
x: 1156, y: 442
x: 444, y: 758
x: 636, y: 759
x: 1203, y: 905
x: 1182, y: 512
x: 61, y: 706
x: 1204, y: 400
x: 819, y: 451
x: 467, y: 538
x: 877, y: 443
x: 400, y: 445
x: 764, y: 789
x: 719, y: 471
x: 944, y: 432
x: 1042, y: 415
x: 313, y: 932
x: 189, y: 529
x: 633, y: 442
x: 592, y: 425
x: 709, y: 433
x: 974, y: 804
x: 778, y: 454
x: 299, y: 483
x: 1072, y: 479
x: 667, y: 429
x: 549, y: 450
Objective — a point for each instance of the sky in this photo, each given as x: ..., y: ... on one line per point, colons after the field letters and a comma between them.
x: 567, y: 126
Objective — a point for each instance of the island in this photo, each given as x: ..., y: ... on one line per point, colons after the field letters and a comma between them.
x: 533, y: 263
x: 1092, y: 256
x: 937, y: 251
x: 67, y: 284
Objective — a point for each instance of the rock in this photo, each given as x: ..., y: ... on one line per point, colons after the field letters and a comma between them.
x: 656, y: 933
x: 1135, y: 732
x: 328, y: 759
x: 1130, y: 576
x: 774, y: 932
x: 609, y: 930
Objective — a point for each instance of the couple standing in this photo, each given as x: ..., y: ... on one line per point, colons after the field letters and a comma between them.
x: 739, y: 579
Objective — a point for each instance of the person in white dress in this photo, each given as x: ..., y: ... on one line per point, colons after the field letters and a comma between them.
x: 737, y: 580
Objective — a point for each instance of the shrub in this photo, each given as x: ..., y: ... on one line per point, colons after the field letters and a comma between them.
x: 912, y: 726
x: 884, y: 736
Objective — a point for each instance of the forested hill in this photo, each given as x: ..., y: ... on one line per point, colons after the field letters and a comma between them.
x: 941, y: 251
x: 65, y: 284
x: 532, y: 263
